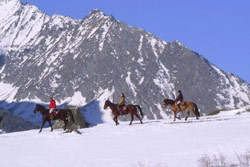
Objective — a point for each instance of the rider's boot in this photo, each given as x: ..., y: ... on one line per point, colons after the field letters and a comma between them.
x: 178, y: 107
x: 51, y: 115
x: 121, y: 110
x: 178, y: 110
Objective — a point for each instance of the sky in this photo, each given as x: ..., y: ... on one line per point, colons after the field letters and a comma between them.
x: 217, y: 29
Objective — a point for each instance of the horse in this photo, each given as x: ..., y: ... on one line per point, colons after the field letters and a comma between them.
x: 130, y: 109
x: 62, y: 115
x: 188, y: 105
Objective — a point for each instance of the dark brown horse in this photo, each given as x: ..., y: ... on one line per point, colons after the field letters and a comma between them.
x: 62, y: 115
x: 130, y: 109
x: 188, y: 105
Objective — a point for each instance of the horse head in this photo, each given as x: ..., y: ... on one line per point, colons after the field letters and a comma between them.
x: 39, y: 108
x: 35, y: 110
x: 166, y: 102
x: 106, y: 104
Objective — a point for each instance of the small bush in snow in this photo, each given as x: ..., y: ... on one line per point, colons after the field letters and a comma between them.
x: 148, y: 164
x: 244, y: 160
x: 220, y: 160
x: 214, y: 161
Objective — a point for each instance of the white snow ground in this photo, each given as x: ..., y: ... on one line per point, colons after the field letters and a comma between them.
x: 155, y: 143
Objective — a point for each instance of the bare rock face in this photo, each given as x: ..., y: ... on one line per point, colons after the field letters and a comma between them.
x: 11, y: 123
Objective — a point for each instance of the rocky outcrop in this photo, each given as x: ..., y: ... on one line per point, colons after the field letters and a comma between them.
x: 11, y: 123
x: 79, y: 121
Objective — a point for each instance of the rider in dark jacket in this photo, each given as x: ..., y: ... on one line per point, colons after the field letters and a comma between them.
x: 178, y: 100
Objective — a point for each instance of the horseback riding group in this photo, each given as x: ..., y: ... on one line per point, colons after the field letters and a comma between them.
x: 177, y: 105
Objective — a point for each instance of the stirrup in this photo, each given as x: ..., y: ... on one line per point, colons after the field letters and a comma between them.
x: 51, y: 117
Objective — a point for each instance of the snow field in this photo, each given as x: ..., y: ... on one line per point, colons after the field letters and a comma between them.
x: 157, y: 142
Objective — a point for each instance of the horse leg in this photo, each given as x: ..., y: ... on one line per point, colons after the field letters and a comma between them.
x: 116, y: 119
x: 188, y: 114
x: 50, y: 125
x: 139, y: 118
x: 42, y: 126
x: 117, y: 123
x: 65, y: 124
x: 197, y: 117
x: 175, y: 115
x: 132, y: 118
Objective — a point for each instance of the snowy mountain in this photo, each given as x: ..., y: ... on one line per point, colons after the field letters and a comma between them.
x: 83, y: 62
x: 158, y: 143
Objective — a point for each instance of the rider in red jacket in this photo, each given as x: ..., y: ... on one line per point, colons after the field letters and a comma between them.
x: 52, y: 105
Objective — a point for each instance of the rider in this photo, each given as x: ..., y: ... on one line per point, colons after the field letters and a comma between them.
x: 52, y: 105
x: 179, y: 100
x: 121, y: 103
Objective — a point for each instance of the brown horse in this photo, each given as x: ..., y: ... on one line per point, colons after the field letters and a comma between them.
x: 62, y: 115
x: 130, y: 109
x: 188, y: 105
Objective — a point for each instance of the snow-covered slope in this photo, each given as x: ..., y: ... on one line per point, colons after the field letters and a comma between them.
x: 83, y: 62
x: 153, y: 144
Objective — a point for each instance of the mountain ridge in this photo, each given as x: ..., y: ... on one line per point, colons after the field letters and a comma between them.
x: 99, y: 57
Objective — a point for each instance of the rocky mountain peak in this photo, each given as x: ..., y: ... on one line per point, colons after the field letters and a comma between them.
x: 84, y: 62
x: 96, y: 11
x: 95, y: 14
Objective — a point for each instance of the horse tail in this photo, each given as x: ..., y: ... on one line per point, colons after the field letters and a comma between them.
x: 196, y: 110
x: 139, y: 107
x: 71, y: 115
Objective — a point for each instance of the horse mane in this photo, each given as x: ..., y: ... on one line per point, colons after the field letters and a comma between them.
x: 108, y: 101
x: 169, y: 101
x: 39, y: 105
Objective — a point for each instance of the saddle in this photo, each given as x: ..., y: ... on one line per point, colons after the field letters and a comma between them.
x: 122, y: 108
x: 54, y: 114
x: 183, y: 103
